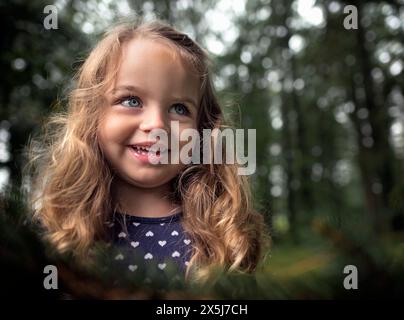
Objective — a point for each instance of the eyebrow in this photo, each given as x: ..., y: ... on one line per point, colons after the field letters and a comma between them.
x: 138, y: 89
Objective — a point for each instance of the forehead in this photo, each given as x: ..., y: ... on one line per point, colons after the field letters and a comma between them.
x: 153, y: 63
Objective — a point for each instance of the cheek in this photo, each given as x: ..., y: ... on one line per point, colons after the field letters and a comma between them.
x: 104, y: 143
x: 187, y: 125
x: 110, y: 136
x: 112, y: 129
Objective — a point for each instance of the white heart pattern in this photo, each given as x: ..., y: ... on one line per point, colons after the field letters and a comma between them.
x: 162, y: 243
x: 134, y: 244
x: 132, y: 267
x: 161, y: 266
x: 174, y: 233
x: 148, y: 256
x: 162, y: 224
x: 187, y: 241
x: 149, y: 234
x: 136, y: 224
x: 175, y: 254
x: 122, y: 235
x: 119, y: 257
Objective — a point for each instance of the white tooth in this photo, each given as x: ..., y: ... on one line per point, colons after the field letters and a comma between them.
x: 141, y: 149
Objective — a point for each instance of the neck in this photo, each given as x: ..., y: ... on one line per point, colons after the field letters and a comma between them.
x: 144, y: 202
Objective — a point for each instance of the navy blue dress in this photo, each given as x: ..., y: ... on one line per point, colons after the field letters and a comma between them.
x: 148, y: 242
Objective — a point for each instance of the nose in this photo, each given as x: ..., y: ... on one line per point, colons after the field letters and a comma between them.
x: 154, y: 118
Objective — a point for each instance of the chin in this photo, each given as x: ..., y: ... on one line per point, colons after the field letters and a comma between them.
x: 149, y: 184
x: 150, y: 181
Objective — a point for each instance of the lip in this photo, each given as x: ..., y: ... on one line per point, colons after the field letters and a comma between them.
x: 149, y: 144
x: 144, y: 143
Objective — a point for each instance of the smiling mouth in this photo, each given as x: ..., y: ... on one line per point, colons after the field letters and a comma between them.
x: 143, y: 150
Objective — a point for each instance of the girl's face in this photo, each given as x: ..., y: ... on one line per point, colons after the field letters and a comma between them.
x: 152, y: 89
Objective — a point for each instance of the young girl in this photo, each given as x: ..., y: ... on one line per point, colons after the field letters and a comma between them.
x: 93, y: 181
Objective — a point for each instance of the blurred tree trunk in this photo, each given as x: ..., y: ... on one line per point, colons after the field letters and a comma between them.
x: 289, y: 104
x: 294, y: 134
x: 306, y: 199
x: 378, y: 168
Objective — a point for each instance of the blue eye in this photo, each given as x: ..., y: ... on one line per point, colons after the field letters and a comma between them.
x: 180, y: 109
x: 130, y: 102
